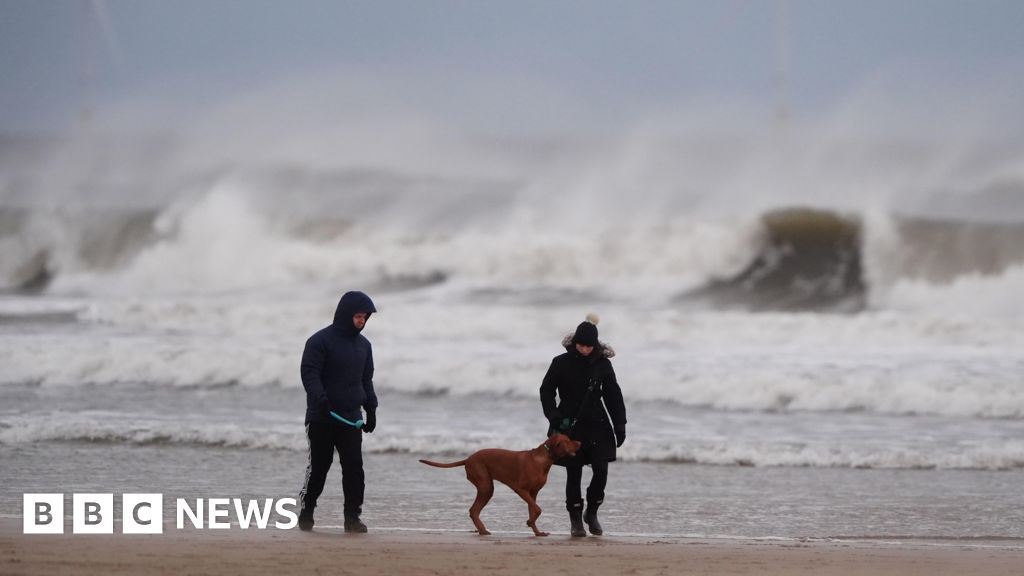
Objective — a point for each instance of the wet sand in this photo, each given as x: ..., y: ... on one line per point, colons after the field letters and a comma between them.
x: 329, y: 551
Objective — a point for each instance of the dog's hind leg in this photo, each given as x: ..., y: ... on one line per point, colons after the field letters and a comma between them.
x: 484, y: 490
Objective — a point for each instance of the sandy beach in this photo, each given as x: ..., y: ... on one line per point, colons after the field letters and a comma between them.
x: 329, y: 551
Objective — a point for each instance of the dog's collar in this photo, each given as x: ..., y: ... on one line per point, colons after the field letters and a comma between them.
x: 546, y: 447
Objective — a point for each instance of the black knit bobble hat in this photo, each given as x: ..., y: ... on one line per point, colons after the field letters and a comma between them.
x: 586, y: 332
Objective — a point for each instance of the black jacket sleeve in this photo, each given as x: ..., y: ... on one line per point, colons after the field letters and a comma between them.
x: 613, y: 399
x: 310, y: 369
x: 548, y: 389
x: 371, y: 396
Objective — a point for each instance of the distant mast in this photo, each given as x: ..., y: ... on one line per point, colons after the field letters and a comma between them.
x: 96, y: 28
x: 87, y: 70
x: 781, y: 126
x: 783, y: 62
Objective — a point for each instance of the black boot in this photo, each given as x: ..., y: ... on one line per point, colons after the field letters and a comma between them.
x: 576, y: 520
x: 354, y: 525
x: 590, y: 516
x: 306, y: 519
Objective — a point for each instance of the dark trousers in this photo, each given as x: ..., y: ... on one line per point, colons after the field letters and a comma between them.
x: 595, y: 491
x: 324, y: 439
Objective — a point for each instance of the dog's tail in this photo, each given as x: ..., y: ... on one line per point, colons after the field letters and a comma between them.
x: 442, y: 465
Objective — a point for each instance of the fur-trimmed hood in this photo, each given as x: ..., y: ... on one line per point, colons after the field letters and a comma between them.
x: 606, y: 350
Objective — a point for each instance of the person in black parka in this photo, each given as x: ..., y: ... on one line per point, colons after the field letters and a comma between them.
x: 337, y: 373
x: 590, y: 409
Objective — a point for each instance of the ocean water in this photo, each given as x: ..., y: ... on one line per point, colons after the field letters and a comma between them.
x: 874, y: 424
x: 792, y: 369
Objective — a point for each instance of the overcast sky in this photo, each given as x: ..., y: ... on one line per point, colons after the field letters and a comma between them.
x: 602, y: 59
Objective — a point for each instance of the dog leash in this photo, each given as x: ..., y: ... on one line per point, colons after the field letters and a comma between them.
x: 357, y: 424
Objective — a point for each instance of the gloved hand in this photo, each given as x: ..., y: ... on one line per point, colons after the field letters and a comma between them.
x: 371, y: 421
x: 560, y: 425
x: 620, y: 436
x: 325, y: 405
x: 555, y: 419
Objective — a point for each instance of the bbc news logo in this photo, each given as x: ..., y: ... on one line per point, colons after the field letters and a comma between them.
x: 144, y: 513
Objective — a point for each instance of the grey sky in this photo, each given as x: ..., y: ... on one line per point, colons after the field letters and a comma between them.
x: 605, y: 59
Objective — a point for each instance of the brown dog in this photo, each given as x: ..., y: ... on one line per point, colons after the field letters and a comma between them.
x: 525, y: 472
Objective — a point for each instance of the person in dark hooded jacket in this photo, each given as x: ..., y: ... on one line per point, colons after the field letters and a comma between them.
x: 590, y: 409
x: 337, y: 373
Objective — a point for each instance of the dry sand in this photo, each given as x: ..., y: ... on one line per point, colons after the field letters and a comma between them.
x: 328, y: 551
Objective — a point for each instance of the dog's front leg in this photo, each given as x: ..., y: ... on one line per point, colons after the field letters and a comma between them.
x: 531, y: 502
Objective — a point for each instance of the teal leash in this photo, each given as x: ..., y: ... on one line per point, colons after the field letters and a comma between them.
x: 357, y: 424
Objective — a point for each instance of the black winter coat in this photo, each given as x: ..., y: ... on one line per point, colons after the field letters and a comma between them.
x: 568, y: 378
x: 337, y: 366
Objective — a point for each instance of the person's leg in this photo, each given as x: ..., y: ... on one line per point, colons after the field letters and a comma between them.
x: 573, y: 481
x: 595, y: 495
x: 595, y: 491
x: 353, y: 479
x: 574, y: 499
x: 320, y: 452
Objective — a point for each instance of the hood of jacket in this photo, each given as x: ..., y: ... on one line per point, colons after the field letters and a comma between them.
x: 350, y: 304
x: 604, y: 348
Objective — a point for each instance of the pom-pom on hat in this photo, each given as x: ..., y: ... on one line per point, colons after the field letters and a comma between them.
x: 586, y: 332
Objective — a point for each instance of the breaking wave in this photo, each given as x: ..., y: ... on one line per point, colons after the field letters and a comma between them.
x: 710, y: 204
x: 1006, y: 456
x: 985, y: 387
x: 789, y: 259
x: 812, y: 259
